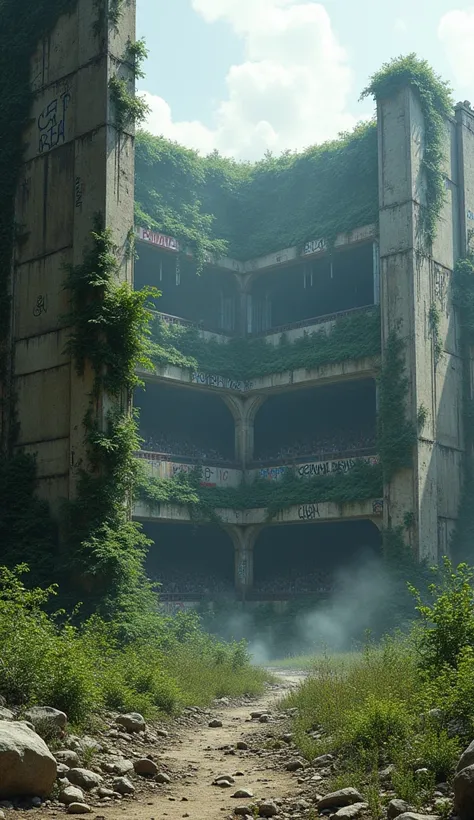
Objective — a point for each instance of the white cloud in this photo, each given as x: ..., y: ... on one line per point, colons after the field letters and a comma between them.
x: 456, y: 33
x: 291, y: 90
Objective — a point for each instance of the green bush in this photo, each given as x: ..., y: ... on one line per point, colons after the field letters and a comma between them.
x: 376, y: 722
x: 158, y: 665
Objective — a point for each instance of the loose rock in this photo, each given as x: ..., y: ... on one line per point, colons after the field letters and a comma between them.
x: 410, y: 815
x: 351, y: 812
x: 46, y: 716
x: 215, y: 724
x: 61, y: 770
x: 26, y: 764
x: 162, y: 733
x: 242, y: 745
x: 467, y: 758
x: 463, y: 793
x: 132, y: 722
x: 102, y: 791
x: 242, y: 793
x: 68, y: 757
x: 71, y: 794
x: 339, y: 799
x: 268, y: 808
x: 6, y: 714
x: 145, y: 767
x: 120, y: 766
x: 162, y: 777
x: 243, y: 811
x: 85, y: 778
x: 123, y: 785
x: 78, y: 808
x: 294, y: 765
x: 397, y: 807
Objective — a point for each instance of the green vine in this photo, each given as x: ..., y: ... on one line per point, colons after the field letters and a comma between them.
x: 436, y: 105
x: 351, y: 338
x: 434, y: 319
x: 463, y: 298
x: 396, y: 434
x: 129, y: 109
x: 110, y: 322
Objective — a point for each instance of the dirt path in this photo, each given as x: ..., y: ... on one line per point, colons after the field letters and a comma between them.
x: 198, y: 754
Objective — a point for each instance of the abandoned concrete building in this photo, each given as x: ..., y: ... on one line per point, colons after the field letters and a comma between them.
x: 312, y: 419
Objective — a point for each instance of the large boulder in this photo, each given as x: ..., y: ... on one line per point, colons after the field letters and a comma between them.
x: 464, y: 793
x: 6, y: 714
x: 467, y: 758
x: 27, y: 767
x: 132, y: 722
x: 46, y: 717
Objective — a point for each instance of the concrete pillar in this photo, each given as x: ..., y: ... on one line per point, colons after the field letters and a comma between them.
x: 243, y: 284
x: 413, y: 278
x: 244, y: 411
x: 76, y: 164
x: 244, y: 540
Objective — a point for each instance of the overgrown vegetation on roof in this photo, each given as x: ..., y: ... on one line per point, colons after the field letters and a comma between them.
x: 217, y: 206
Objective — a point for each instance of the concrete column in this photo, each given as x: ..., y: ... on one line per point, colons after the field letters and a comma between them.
x: 76, y: 164
x: 244, y: 411
x: 243, y: 282
x: 413, y: 278
x: 244, y: 540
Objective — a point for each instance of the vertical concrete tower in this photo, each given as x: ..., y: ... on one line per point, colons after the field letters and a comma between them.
x: 77, y: 164
x: 416, y: 300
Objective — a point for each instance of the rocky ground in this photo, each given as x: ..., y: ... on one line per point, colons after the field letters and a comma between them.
x: 234, y: 760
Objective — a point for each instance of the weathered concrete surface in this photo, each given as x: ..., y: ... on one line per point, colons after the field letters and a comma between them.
x: 76, y: 165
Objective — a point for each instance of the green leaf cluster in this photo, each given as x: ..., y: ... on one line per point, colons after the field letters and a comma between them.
x: 396, y: 434
x: 436, y: 105
x: 216, y: 206
x: 351, y: 337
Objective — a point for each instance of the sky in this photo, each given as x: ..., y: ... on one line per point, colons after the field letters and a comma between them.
x: 249, y: 76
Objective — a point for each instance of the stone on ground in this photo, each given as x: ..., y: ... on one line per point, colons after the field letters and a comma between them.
x: 339, y: 799
x: 294, y: 765
x: 410, y: 815
x: 162, y: 777
x: 463, y: 793
x: 118, y: 766
x: 267, y: 808
x: 71, y: 794
x: 467, y: 758
x: 84, y: 778
x: 46, y: 716
x: 397, y: 807
x: 132, y: 722
x: 145, y: 767
x: 6, y: 714
x: 242, y: 794
x: 27, y: 767
x: 123, y: 785
x: 215, y: 724
x: 68, y: 757
x: 78, y: 808
x: 242, y: 745
x: 351, y: 812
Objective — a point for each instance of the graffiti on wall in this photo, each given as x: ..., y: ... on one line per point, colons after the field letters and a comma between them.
x: 314, y: 246
x: 209, y: 380
x: 308, y: 512
x: 168, y: 243
x: 314, y: 468
x: 52, y: 123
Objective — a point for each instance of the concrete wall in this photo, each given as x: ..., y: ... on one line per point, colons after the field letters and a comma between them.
x: 76, y: 164
x: 413, y: 281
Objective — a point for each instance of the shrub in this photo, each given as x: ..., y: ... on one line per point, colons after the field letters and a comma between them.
x: 376, y: 722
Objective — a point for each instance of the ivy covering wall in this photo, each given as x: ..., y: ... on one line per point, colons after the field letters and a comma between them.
x: 351, y: 338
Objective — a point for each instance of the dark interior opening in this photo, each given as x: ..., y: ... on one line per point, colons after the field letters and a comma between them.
x: 190, y: 424
x: 311, y: 559
x: 209, y: 299
x: 321, y: 422
x: 305, y: 291
x: 191, y: 562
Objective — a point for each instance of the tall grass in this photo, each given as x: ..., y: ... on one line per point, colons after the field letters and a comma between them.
x: 169, y: 664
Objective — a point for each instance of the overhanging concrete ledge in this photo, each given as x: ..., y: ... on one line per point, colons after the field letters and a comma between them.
x: 302, y: 377
x: 301, y: 514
